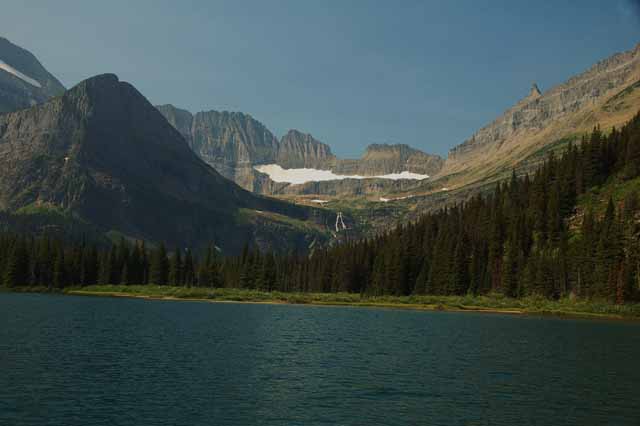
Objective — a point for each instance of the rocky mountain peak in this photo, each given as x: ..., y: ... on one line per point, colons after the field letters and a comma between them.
x: 535, y: 91
x: 103, y: 153
x: 294, y: 134
x: 231, y: 142
x: 382, y: 158
x: 234, y: 142
x: 301, y: 150
x: 566, y: 109
x: 385, y: 149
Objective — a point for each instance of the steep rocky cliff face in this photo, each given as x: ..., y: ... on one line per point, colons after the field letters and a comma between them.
x: 104, y: 154
x: 24, y: 82
x: 301, y: 150
x: 606, y: 94
x: 233, y: 143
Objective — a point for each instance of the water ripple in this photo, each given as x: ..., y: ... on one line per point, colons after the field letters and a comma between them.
x: 92, y: 361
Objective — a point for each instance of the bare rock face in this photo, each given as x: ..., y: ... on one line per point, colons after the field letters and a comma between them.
x: 24, y: 82
x: 382, y: 159
x: 542, y: 118
x: 231, y: 142
x: 301, y: 150
x: 345, y: 188
x: 104, y: 154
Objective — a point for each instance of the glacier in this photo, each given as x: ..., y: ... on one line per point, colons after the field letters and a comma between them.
x: 299, y: 176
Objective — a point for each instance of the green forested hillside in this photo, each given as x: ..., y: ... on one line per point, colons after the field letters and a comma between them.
x: 535, y: 235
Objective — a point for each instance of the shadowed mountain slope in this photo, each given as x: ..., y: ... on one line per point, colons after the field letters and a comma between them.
x: 103, y: 153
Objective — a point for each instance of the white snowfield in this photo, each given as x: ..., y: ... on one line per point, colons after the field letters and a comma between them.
x: 11, y: 70
x: 386, y: 200
x: 299, y: 176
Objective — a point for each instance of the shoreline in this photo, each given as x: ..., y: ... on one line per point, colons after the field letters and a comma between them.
x: 405, y: 306
x: 478, y: 304
x: 490, y: 304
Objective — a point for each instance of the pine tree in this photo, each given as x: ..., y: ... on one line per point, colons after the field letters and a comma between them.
x: 159, y: 268
x: 175, y: 269
x: 189, y: 275
x: 59, y: 271
x: 16, y: 272
x: 632, y: 158
x: 204, y: 275
x: 44, y: 265
x: 460, y: 271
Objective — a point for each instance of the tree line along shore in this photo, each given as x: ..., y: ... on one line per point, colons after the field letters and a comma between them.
x: 567, y: 234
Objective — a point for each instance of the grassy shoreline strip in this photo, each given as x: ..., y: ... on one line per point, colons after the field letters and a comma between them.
x: 490, y: 303
x: 493, y: 303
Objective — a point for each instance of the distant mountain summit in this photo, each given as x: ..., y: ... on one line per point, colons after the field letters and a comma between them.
x: 236, y: 144
x: 24, y: 82
x: 301, y: 150
x: 383, y: 159
x: 105, y: 155
x: 231, y: 142
x: 535, y: 91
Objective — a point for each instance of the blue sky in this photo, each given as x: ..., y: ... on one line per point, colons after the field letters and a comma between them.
x: 424, y: 73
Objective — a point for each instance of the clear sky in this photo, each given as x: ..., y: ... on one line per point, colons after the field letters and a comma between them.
x: 424, y: 73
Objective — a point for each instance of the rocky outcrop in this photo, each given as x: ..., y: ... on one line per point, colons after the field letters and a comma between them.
x: 24, y: 82
x: 300, y: 150
x: 543, y: 118
x: 231, y: 142
x: 104, y: 154
x: 382, y: 159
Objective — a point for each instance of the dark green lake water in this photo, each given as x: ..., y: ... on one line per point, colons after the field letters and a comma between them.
x: 98, y: 361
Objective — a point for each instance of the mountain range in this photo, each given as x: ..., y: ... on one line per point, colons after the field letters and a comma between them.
x: 236, y: 144
x: 104, y: 155
x: 101, y: 155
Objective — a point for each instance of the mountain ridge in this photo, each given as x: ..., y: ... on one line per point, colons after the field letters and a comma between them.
x: 234, y: 150
x: 24, y: 81
x: 569, y: 108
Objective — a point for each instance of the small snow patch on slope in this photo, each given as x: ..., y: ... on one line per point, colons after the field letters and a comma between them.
x: 299, y: 176
x: 11, y: 70
x: 386, y: 200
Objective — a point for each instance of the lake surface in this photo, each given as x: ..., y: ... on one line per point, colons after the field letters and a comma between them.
x: 85, y: 361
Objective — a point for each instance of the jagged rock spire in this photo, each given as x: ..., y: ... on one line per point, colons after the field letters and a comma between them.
x: 535, y: 91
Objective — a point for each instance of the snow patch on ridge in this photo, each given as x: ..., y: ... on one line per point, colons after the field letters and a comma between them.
x: 11, y: 70
x: 299, y: 176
